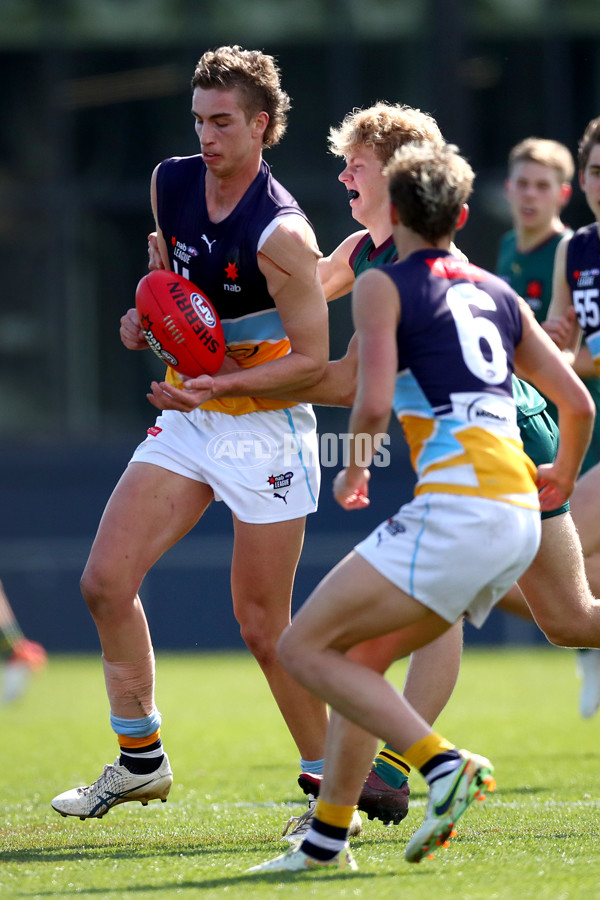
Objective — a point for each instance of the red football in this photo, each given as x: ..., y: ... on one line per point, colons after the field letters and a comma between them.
x: 180, y: 323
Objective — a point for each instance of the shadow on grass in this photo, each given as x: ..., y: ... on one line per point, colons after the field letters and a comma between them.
x: 76, y: 852
x: 524, y: 790
x: 499, y: 792
x: 275, y: 878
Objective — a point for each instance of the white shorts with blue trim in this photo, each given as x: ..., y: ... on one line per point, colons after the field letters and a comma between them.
x: 263, y: 465
x: 455, y: 554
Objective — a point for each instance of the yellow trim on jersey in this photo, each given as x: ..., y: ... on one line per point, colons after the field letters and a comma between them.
x: 492, y: 465
x: 247, y: 354
x: 527, y: 501
x: 417, y: 431
x: 239, y: 406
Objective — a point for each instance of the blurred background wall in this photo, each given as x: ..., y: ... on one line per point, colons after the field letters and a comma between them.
x: 94, y: 94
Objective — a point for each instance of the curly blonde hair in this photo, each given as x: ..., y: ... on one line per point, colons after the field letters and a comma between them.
x: 384, y: 127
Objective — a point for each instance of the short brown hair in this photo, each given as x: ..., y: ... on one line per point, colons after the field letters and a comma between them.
x: 256, y: 75
x: 429, y: 184
x: 591, y: 136
x: 384, y: 127
x: 545, y: 152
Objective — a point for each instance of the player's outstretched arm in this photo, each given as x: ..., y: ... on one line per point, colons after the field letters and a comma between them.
x: 542, y: 363
x: 337, y: 387
x: 376, y: 324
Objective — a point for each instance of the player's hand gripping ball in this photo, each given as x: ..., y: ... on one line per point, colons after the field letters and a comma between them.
x: 180, y: 323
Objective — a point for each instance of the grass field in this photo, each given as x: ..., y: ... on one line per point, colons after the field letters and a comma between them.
x: 235, y: 786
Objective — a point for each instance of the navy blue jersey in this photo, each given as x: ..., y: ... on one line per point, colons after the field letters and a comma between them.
x: 221, y: 259
x: 459, y: 326
x: 427, y: 282
x: 583, y: 277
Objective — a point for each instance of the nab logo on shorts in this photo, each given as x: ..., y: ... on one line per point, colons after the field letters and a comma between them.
x: 278, y: 482
x: 391, y: 528
x: 394, y: 527
x: 242, y: 449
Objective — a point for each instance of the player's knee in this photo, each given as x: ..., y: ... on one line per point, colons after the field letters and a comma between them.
x: 571, y: 629
x: 561, y: 639
x: 262, y: 650
x: 97, y: 593
x: 260, y: 638
x: 376, y: 654
x: 90, y: 589
x: 289, y: 653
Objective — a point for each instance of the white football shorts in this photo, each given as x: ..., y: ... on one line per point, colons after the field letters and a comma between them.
x: 454, y: 554
x: 263, y: 465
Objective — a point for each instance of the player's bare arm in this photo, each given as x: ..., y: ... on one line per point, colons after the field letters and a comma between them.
x: 337, y: 387
x: 154, y: 257
x: 583, y: 364
x: 130, y: 331
x: 561, y: 323
x: 542, y: 363
x: 376, y: 325
x: 288, y: 260
x: 161, y: 244
x: 335, y: 271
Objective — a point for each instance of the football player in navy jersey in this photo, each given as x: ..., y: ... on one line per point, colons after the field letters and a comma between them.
x: 437, y: 340
x: 367, y: 139
x: 575, y: 312
x: 538, y: 187
x: 224, y: 222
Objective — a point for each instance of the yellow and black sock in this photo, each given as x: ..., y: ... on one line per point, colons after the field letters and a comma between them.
x: 433, y: 756
x: 328, y: 831
x: 141, y: 755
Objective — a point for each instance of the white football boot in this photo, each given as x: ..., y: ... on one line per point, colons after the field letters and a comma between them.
x: 449, y: 797
x: 116, y: 785
x: 295, y: 860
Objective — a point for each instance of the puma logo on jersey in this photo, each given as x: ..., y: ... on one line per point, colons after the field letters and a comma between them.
x: 208, y: 243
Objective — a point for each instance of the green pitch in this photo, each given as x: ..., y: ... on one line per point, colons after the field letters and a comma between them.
x: 235, y: 786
